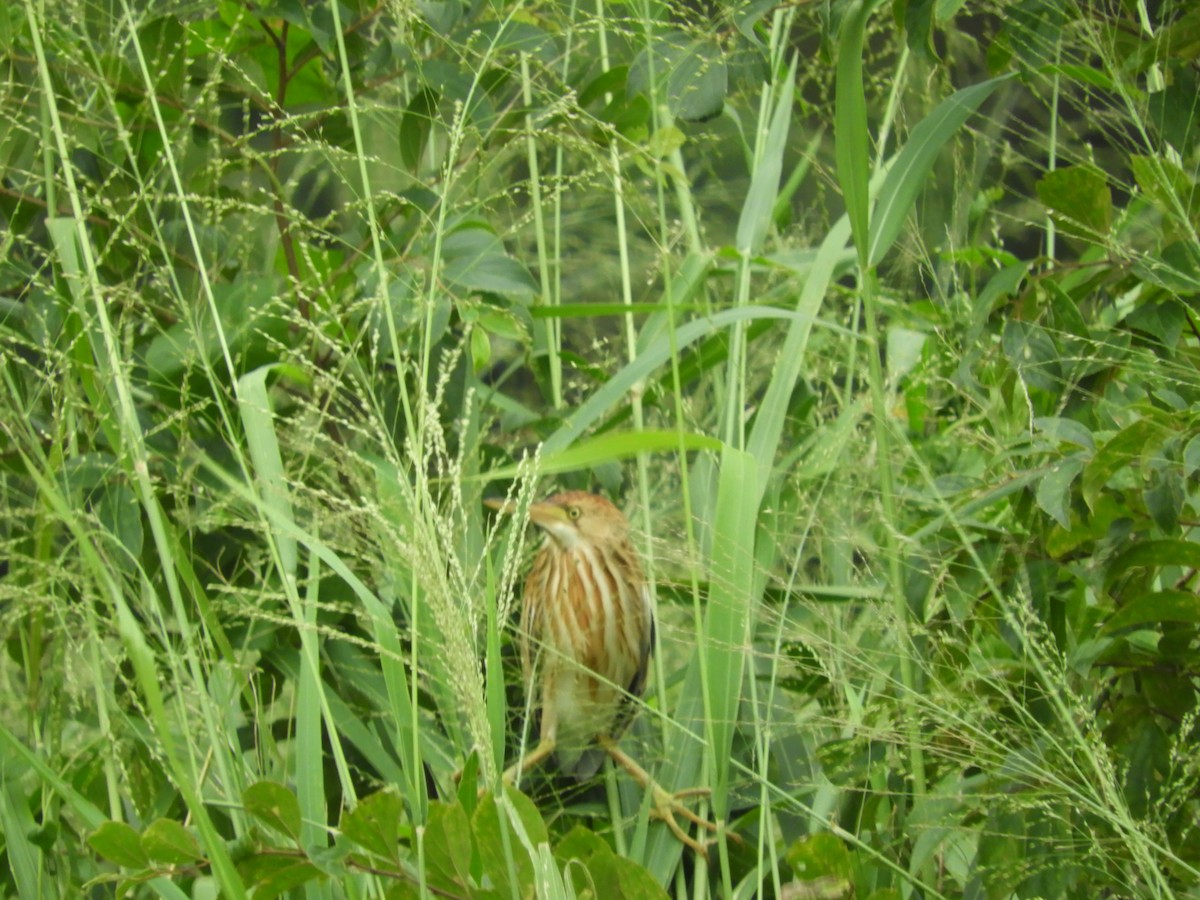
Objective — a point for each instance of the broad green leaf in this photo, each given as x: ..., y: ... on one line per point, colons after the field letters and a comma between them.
x: 168, y: 842
x: 448, y: 844
x: 119, y: 843
x: 904, y: 348
x: 475, y: 259
x: 374, y: 824
x: 1062, y: 430
x: 1176, y: 268
x: 1080, y: 201
x: 689, y: 75
x: 1054, y: 490
x: 272, y: 875
x: 1158, y: 606
x: 592, y: 865
x: 498, y: 844
x: 275, y: 806
x: 1170, y: 189
x: 1032, y: 352
x: 481, y: 350
x: 1133, y: 442
x: 415, y: 126
x: 1173, y: 111
x: 1191, y: 457
x: 1155, y: 555
x: 611, y: 81
x: 1164, y: 499
x: 821, y: 855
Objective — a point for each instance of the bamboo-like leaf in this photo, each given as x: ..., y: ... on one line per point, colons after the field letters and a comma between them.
x: 607, y: 447
x: 731, y: 606
x: 759, y: 207
x: 255, y: 409
x: 649, y: 359
x: 913, y: 163
x: 852, y: 138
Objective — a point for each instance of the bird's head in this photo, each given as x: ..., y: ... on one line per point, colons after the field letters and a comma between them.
x: 572, y: 518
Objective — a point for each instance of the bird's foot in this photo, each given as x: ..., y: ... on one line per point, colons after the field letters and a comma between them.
x: 668, y: 805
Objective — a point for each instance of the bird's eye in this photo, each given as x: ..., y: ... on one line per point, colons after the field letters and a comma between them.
x: 573, y: 512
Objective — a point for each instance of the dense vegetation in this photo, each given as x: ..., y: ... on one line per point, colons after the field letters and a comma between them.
x: 879, y: 319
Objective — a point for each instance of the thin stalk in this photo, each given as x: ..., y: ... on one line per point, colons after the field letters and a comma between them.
x: 630, y: 329
x: 539, y: 228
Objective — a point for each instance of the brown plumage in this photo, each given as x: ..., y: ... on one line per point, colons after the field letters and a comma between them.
x: 587, y: 629
x: 587, y: 626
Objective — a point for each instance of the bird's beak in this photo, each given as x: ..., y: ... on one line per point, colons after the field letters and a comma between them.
x: 545, y: 515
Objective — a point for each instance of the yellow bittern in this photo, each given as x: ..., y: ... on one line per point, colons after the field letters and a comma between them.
x: 587, y: 627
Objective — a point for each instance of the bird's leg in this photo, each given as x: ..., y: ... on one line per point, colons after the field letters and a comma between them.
x: 545, y: 746
x: 666, y: 804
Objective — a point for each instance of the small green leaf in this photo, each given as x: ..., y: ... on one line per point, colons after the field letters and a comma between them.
x: 1054, y: 490
x: 591, y: 864
x: 275, y: 806
x: 820, y: 855
x: 1164, y: 499
x: 375, y: 824
x: 119, y: 511
x: 481, y: 350
x: 1062, y: 430
x: 691, y: 75
x: 119, y: 843
x: 475, y: 260
x: 904, y: 348
x: 1191, y: 457
x: 1080, y: 201
x: 1032, y: 352
x: 272, y: 874
x: 1134, y: 442
x: 493, y: 273
x: 448, y: 844
x: 415, y: 126
x: 1159, y: 606
x: 665, y: 141
x: 502, y: 323
x: 498, y: 844
x: 167, y: 841
x: 1154, y: 555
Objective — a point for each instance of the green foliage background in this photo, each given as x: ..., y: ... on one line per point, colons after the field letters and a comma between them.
x: 880, y: 320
